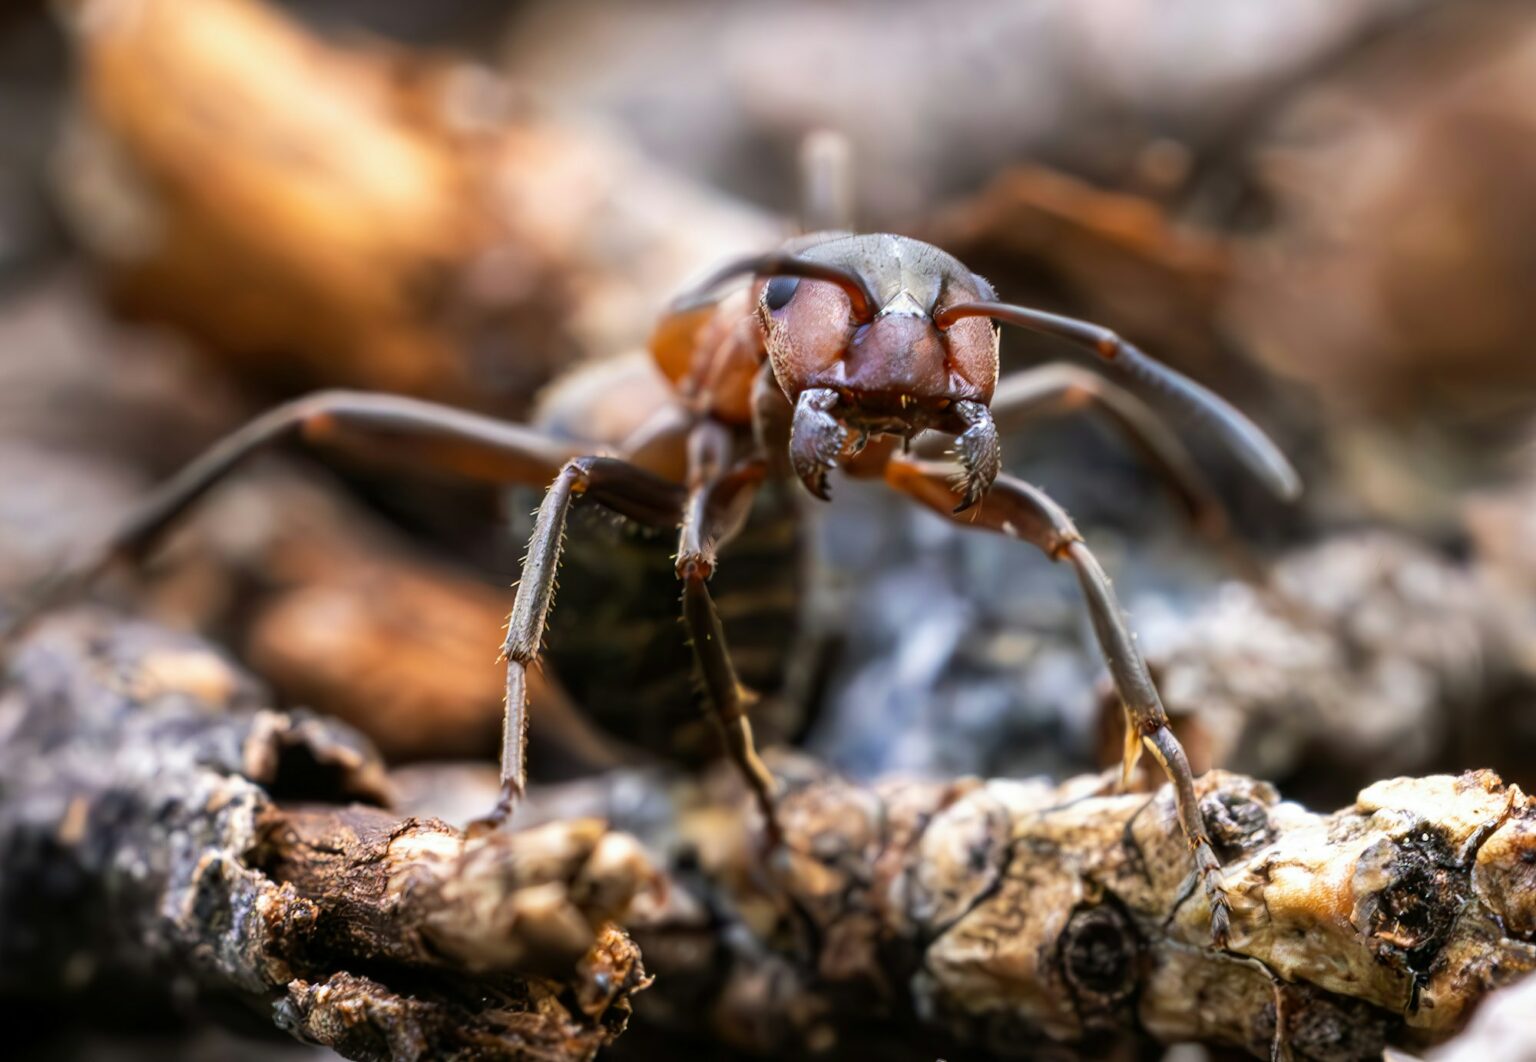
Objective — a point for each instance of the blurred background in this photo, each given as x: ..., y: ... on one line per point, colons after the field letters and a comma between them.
x: 1322, y: 209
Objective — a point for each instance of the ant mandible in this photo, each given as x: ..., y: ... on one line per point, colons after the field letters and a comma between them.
x: 843, y: 350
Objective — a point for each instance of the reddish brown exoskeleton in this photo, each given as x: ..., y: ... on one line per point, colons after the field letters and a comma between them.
x: 866, y: 352
x: 863, y: 344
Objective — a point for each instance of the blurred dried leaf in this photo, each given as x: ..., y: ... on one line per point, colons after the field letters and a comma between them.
x: 361, y: 215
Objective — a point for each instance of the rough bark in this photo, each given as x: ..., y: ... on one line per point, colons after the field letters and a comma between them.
x: 154, y: 818
x: 999, y: 913
x: 156, y: 822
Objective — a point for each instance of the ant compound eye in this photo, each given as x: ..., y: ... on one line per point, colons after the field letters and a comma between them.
x: 779, y: 291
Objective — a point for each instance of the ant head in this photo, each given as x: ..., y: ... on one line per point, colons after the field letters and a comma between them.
x: 888, y: 334
x: 852, y: 328
x: 864, y: 329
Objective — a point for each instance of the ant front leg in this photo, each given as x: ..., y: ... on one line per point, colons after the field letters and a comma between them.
x: 615, y: 484
x: 717, y: 506
x: 1016, y: 509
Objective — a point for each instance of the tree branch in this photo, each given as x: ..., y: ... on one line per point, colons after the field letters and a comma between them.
x: 996, y: 912
x: 154, y: 818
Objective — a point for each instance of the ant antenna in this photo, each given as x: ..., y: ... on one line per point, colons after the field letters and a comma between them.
x: 1252, y: 447
x: 781, y: 264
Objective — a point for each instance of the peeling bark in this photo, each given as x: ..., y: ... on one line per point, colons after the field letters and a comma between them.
x: 149, y: 826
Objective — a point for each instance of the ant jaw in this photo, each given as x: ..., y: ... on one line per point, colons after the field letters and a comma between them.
x: 816, y: 439
x: 819, y: 436
x: 980, y: 452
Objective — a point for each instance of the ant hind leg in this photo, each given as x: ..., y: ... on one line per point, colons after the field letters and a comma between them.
x: 439, y: 436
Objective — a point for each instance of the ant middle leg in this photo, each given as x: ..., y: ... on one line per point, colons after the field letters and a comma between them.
x: 717, y: 506
x: 1020, y: 511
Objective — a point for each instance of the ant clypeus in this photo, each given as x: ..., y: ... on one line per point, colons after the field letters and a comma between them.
x: 843, y: 350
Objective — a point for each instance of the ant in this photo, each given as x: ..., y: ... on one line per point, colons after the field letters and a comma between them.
x: 843, y: 351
